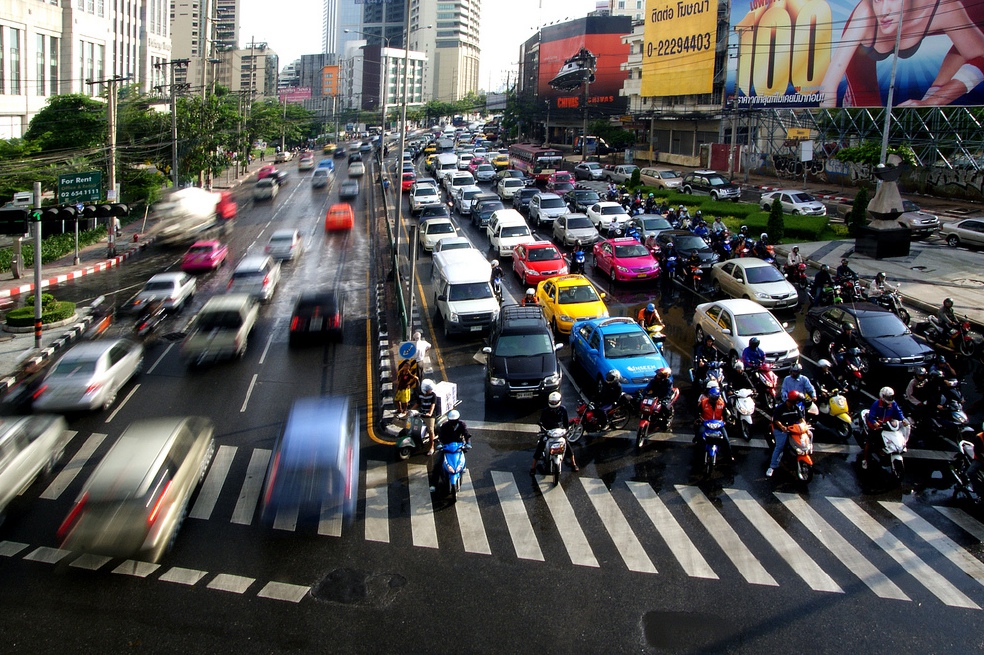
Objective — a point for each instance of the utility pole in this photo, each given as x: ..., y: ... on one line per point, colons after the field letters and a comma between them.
x: 283, y: 129
x: 111, y: 164
x: 37, y: 268
x: 179, y: 63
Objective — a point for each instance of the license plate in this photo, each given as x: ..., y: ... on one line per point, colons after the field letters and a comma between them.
x: 911, y: 369
x: 476, y: 328
x: 317, y: 322
x: 526, y: 394
x: 641, y: 274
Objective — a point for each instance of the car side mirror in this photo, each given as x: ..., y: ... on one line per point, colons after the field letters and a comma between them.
x: 558, y: 346
x: 726, y: 331
x: 602, y: 295
x: 487, y: 350
x: 785, y: 325
x: 442, y: 297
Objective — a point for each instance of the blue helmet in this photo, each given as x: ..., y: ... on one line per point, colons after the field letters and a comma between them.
x: 650, y: 307
x: 714, y: 392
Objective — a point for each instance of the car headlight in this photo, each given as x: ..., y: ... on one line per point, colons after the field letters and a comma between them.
x: 551, y: 380
x: 890, y: 360
x: 566, y: 319
x: 497, y: 382
x: 622, y: 269
x: 453, y: 317
x: 759, y: 294
x: 794, y: 353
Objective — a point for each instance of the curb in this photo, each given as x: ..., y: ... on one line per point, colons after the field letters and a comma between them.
x: 387, y: 401
x: 73, y: 334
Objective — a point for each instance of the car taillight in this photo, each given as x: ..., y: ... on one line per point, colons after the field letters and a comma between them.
x: 266, y: 280
x: 41, y: 390
x: 92, y: 388
x: 273, y: 478
x: 229, y: 286
x: 72, y: 517
x: 294, y: 322
x: 160, y: 501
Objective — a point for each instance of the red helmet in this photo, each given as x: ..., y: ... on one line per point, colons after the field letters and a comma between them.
x: 794, y: 396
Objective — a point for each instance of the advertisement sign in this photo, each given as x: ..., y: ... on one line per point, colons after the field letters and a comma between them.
x: 679, y: 36
x: 296, y: 94
x: 839, y: 53
x: 599, y: 35
x: 79, y: 187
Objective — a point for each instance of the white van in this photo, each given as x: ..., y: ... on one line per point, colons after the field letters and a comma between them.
x: 509, y: 233
x: 446, y: 163
x: 463, y: 291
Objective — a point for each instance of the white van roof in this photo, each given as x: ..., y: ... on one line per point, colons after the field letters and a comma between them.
x: 463, y: 265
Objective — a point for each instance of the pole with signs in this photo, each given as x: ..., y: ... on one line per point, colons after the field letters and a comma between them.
x: 36, y: 223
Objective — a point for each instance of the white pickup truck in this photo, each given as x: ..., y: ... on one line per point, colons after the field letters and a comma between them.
x: 220, y: 330
x: 620, y: 174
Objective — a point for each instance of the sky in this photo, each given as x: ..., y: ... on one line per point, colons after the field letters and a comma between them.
x: 505, y: 25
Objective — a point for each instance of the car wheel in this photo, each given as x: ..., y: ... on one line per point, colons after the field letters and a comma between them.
x: 714, y: 196
x: 795, y: 212
x: 574, y: 359
x: 716, y: 289
x: 611, y: 275
x: 110, y: 397
x: 816, y: 337
x: 953, y: 241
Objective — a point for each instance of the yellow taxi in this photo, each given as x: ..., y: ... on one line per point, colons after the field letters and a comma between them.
x: 500, y: 161
x: 569, y: 298
x: 429, y: 160
x: 328, y: 149
x: 430, y: 149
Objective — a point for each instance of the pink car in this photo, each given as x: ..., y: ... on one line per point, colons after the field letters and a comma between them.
x: 625, y: 259
x: 474, y: 164
x: 204, y: 256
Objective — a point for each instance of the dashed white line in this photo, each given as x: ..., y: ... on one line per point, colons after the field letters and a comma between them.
x: 11, y: 548
x: 72, y: 469
x: 249, y: 392
x: 179, y: 575
x: 47, y: 555
x: 266, y: 348
x: 123, y: 403
x: 283, y: 591
x: 235, y: 584
x: 159, y: 359
x: 90, y: 562
x: 136, y: 568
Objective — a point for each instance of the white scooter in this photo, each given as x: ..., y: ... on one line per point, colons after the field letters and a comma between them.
x: 554, y: 451
x: 894, y: 438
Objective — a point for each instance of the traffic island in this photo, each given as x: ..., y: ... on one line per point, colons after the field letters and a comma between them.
x: 883, y: 237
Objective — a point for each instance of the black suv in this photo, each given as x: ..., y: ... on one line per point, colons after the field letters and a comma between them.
x: 521, y: 358
x: 521, y: 199
x: 710, y: 183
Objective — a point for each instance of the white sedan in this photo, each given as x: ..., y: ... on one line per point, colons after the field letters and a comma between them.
x: 754, y: 279
x: 433, y: 230
x: 794, y: 202
x: 601, y: 213
x: 734, y: 322
x: 174, y: 289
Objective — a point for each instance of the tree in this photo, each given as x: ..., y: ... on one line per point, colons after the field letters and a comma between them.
x: 858, y: 213
x: 69, y: 122
x: 613, y: 135
x: 776, y: 226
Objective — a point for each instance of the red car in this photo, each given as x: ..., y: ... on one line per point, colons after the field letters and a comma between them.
x: 474, y: 164
x: 560, y: 176
x: 625, y: 259
x: 266, y: 171
x: 537, y: 261
x: 204, y: 256
x: 408, y: 180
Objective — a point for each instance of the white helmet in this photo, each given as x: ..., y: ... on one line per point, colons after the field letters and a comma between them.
x: 530, y: 292
x: 427, y: 386
x: 712, y: 385
x: 454, y: 415
x: 495, y: 262
x: 416, y: 336
x: 823, y: 363
x: 739, y: 365
x: 887, y: 394
x: 554, y: 399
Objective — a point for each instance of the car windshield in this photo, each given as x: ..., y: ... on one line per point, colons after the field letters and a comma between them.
x: 614, y: 209
x: 882, y: 325
x: 512, y: 181
x: 656, y: 224
x: 763, y: 275
x: 562, y: 177
x: 543, y: 254
x: 586, y: 195
x: 551, y: 203
x: 632, y: 250
x: 753, y: 325
x: 716, y: 180
x: 909, y: 206
x: 683, y: 242
x: 425, y: 191
x: 802, y: 197
x: 469, y: 291
x: 200, y: 250
x: 579, y: 294
x: 158, y: 286
x: 579, y: 222
x: 628, y: 345
x: 79, y: 367
x: 514, y: 231
x: 285, y: 240
x: 228, y: 320
x: 593, y: 167
x: 485, y: 168
x: 445, y: 246
x: 248, y: 276
x: 669, y: 175
x: 524, y: 345
x: 440, y: 228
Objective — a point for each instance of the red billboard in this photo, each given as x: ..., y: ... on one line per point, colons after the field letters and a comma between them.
x: 601, y: 36
x: 297, y: 94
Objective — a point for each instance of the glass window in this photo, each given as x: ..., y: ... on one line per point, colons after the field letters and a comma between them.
x: 53, y: 64
x: 91, y: 6
x: 39, y: 64
x: 3, y: 81
x: 15, y: 72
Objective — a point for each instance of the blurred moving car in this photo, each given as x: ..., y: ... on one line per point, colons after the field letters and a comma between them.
x: 136, y: 499
x: 256, y: 275
x: 265, y: 171
x: 923, y: 224
x: 348, y: 190
x: 794, y: 202
x: 220, y: 330
x: 313, y: 475
x: 339, y: 217
x: 356, y: 169
x: 204, y: 256
x: 30, y: 448
x: 284, y: 245
x: 321, y: 177
x: 266, y: 189
x: 283, y: 156
x: 89, y: 375
x: 968, y: 232
x: 306, y: 162
x: 173, y: 289
x: 317, y: 315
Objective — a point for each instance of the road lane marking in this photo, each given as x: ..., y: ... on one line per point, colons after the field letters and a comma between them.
x: 217, y: 473
x: 47, y: 555
x: 330, y: 521
x: 627, y: 543
x: 266, y: 348
x: 578, y: 548
x: 676, y: 539
x: 252, y: 486
x: 726, y: 537
x: 283, y: 591
x: 68, y: 474
x: 422, y: 523
x: 906, y: 559
x: 517, y: 520
x: 136, y: 568
x: 963, y: 519
x: 176, y: 574
x: 160, y: 359
x: 802, y: 564
x: 123, y: 403
x: 942, y: 543
x: 67, y: 436
x: 90, y: 562
x: 286, y: 518
x: 470, y: 523
x: 249, y: 392
x: 848, y: 555
x: 235, y: 584
x: 377, y: 502
x: 11, y: 548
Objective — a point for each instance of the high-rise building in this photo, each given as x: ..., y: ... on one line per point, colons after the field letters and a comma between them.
x: 452, y: 45
x: 254, y: 68
x: 202, y: 30
x: 635, y: 9
x: 382, y: 77
x: 329, y: 26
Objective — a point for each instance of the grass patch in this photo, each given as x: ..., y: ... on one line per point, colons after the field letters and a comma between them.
x: 51, y: 312
x: 53, y: 248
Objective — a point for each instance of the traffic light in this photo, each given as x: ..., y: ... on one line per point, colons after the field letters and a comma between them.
x: 111, y: 209
x: 13, y: 220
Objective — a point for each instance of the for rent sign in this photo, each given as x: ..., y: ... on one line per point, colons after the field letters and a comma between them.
x: 79, y: 187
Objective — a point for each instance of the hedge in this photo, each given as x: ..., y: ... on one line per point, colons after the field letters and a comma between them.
x: 53, y: 248
x: 57, y: 310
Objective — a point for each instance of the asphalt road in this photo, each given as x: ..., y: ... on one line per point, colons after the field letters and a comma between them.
x: 636, y: 553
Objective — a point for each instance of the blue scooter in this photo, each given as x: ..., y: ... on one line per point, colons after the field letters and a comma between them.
x: 714, y: 438
x: 452, y: 467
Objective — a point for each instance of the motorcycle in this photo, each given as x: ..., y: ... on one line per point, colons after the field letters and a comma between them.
x: 669, y: 267
x: 497, y: 289
x: 715, y: 371
x: 834, y: 413
x: 851, y: 291
x: 148, y: 322
x: 723, y: 248
x: 742, y: 405
x: 967, y: 484
x: 654, y: 416
x: 949, y: 421
x: 413, y: 439
x: 891, y: 300
x: 655, y: 333
x: 767, y: 254
x: 894, y: 438
x: 958, y: 340
x: 796, y: 275
x: 589, y: 418
x: 852, y: 368
x: 767, y: 385
x: 452, y: 467
x: 691, y: 276
x: 800, y: 445
x: 577, y: 262
x: 830, y: 295
x: 554, y: 451
x: 713, y: 438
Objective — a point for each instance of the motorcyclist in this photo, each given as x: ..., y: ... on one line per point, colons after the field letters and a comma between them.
x: 577, y: 258
x: 753, y: 356
x: 661, y: 386
x: 712, y: 407
x: 786, y: 415
x: 948, y: 320
x: 761, y: 248
x: 943, y: 366
x: 530, y: 298
x: 693, y: 263
x: 882, y: 410
x: 878, y: 286
x: 704, y: 354
x: 796, y: 381
x: 454, y: 429
x: 977, y: 439
x: 718, y: 226
x: 497, y: 272
x: 821, y: 280
x: 843, y: 342
x: 794, y: 258
x: 608, y: 394
x: 845, y: 272
x: 648, y: 316
x: 427, y: 405
x: 553, y: 416
x: 827, y: 381
x: 738, y: 377
x: 919, y: 394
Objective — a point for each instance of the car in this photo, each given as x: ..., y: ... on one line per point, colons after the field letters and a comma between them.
x: 266, y: 189
x: 257, y: 276
x: 425, y: 181
x: 366, y: 147
x: 652, y: 224
x: 265, y: 171
x: 220, y: 330
x: 625, y: 259
x: 580, y: 199
x: 887, y: 343
x: 339, y: 152
x: 568, y: 298
x: 601, y: 213
x: 305, y: 163
x: 533, y: 262
x: 509, y: 186
x: 339, y: 217
x: 463, y: 160
x: 481, y: 213
x: 545, y: 208
x: 175, y: 290
x: 356, y: 169
x: 455, y: 181
x: 922, y: 224
x: 512, y: 172
x: 30, y: 448
x: 710, y: 183
x: 733, y: 323
x: 407, y: 181
x: 661, y: 178
x: 521, y: 358
x: 500, y: 161
x: 484, y: 172
x: 284, y: 244
x: 686, y: 243
x: 755, y: 279
x: 283, y: 156
x: 588, y: 170
x: 794, y: 202
x: 408, y: 167
x: 134, y: 502
x: 574, y: 227
x: 328, y: 163
x: 204, y: 256
x: 462, y: 198
x: 321, y: 177
x: 452, y: 243
x: 521, y: 198
x: 968, y: 232
x: 619, y: 343
x: 424, y: 196
x: 348, y: 189
x: 282, y: 178
x: 434, y: 211
x: 620, y: 174
x: 485, y: 196
x: 473, y: 165
x: 433, y: 230
x: 560, y: 188
x: 317, y: 315
x: 506, y: 234
x: 559, y: 177
x: 89, y: 375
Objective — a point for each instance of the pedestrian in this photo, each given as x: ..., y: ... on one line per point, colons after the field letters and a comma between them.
x: 422, y: 348
x: 427, y: 404
x: 405, y: 382
x: 117, y: 227
x: 262, y: 154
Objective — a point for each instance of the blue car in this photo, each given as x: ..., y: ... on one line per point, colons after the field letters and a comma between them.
x: 326, y: 163
x: 602, y: 344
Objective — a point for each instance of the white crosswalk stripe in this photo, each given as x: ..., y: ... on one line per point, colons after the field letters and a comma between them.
x: 377, y: 503
x: 962, y: 519
x: 927, y: 576
x: 422, y: 523
x: 632, y: 552
x: 578, y: 548
x: 71, y: 470
x: 212, y: 487
x: 676, y: 539
x: 473, y: 535
x: 517, y: 520
x: 249, y: 493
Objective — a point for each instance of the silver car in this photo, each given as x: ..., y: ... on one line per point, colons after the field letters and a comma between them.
x: 546, y: 208
x: 173, y: 289
x: 922, y: 224
x: 30, y: 446
x: 284, y: 244
x: 89, y: 376
x: 257, y: 276
x: 794, y: 202
x: 574, y: 227
x: 968, y: 232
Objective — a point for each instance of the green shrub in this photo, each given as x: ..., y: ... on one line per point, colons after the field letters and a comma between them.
x: 58, y: 310
x: 795, y: 228
x: 46, y: 300
x: 52, y: 248
x: 859, y: 210
x: 635, y: 180
x: 776, y: 224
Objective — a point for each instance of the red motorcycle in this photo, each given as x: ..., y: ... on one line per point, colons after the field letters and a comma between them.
x: 766, y: 384
x: 796, y: 275
x: 654, y: 416
x: 591, y: 419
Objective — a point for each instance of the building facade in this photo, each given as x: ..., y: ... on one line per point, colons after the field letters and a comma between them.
x: 253, y: 69
x: 451, y: 45
x: 202, y: 30
x: 383, y: 81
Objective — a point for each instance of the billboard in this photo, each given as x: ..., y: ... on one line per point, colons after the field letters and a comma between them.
x: 679, y: 36
x: 839, y: 53
x: 602, y: 37
x: 297, y: 94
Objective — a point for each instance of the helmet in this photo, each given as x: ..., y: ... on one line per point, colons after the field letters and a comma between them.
x: 823, y: 363
x: 712, y: 384
x: 416, y: 336
x: 530, y: 292
x: 796, y: 248
x: 700, y: 214
x: 714, y: 392
x: 824, y: 267
x: 754, y: 342
x: 652, y: 195
x: 936, y: 373
x: 844, y: 261
x: 577, y: 243
x: 454, y: 415
x: 848, y: 327
x: 739, y: 365
x: 650, y: 307
x: 744, y: 229
x: 948, y: 302
x: 554, y: 399
x: 887, y: 394
x: 794, y: 396
x: 612, y: 375
x: 663, y: 372
x: 708, y: 337
x: 764, y: 236
x: 427, y: 386
x: 495, y: 262
x: 880, y: 275
x: 795, y: 370
x: 921, y: 372
x: 682, y: 207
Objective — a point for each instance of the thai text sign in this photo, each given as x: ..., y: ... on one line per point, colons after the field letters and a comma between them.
x: 678, y: 49
x: 79, y: 187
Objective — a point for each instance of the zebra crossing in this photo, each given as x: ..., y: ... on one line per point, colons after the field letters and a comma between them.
x: 896, y: 551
